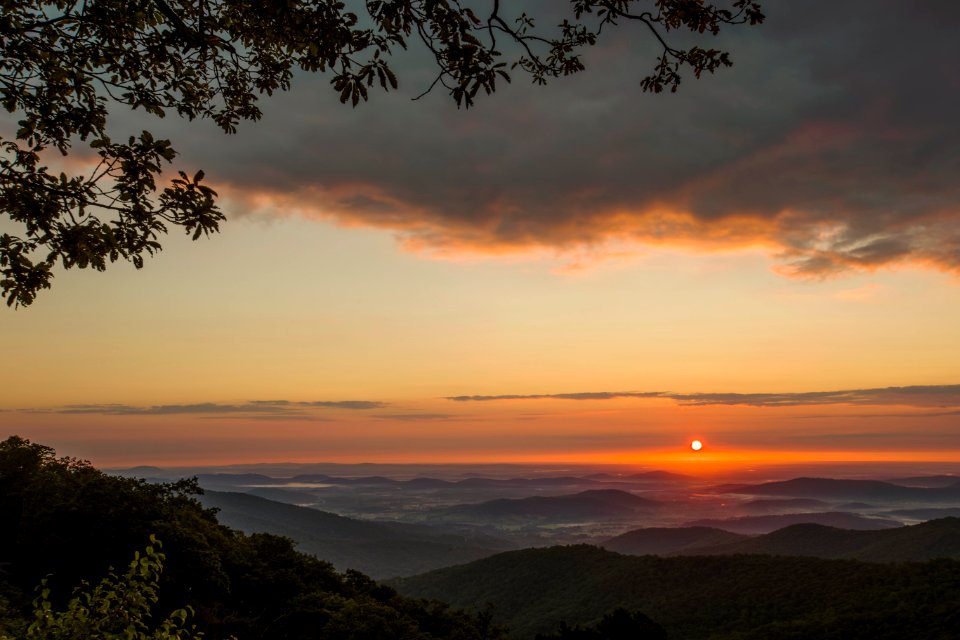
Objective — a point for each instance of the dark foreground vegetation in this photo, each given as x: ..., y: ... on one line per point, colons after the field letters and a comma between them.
x: 65, y: 521
x: 740, y: 597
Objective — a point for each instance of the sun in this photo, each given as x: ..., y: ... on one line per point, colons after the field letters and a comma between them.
x: 696, y: 445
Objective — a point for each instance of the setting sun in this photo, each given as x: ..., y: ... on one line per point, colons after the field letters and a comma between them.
x: 696, y: 445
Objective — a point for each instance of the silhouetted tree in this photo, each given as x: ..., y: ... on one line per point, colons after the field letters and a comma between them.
x: 619, y: 624
x: 64, y: 62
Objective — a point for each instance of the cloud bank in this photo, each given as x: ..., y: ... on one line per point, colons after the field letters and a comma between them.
x: 913, y: 396
x: 832, y: 145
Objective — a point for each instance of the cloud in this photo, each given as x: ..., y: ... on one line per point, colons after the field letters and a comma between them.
x: 917, y: 396
x: 163, y: 409
x: 911, y: 415
x: 914, y: 396
x: 353, y: 405
x: 272, y: 409
x: 588, y: 395
x: 830, y: 145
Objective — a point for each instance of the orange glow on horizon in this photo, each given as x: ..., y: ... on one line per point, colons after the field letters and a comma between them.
x: 687, y: 461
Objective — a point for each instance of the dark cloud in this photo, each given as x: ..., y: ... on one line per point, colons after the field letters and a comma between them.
x: 915, y: 396
x: 832, y: 142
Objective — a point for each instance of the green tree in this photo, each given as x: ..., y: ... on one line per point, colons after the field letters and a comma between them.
x: 66, y: 520
x: 65, y: 63
x: 116, y: 609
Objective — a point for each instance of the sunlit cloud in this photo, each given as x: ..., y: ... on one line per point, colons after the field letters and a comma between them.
x: 915, y: 396
x: 586, y: 395
x: 827, y: 168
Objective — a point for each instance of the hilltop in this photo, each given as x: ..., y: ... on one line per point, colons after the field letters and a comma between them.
x: 925, y: 541
x: 716, y: 597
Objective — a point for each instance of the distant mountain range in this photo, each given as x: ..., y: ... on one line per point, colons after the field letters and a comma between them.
x: 925, y: 514
x: 594, y: 503
x: 776, y: 505
x: 925, y: 541
x: 832, y: 489
x: 768, y: 523
x: 378, y: 549
x: 927, y: 481
x: 598, y: 479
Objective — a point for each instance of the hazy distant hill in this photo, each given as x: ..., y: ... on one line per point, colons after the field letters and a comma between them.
x: 925, y: 541
x: 927, y: 481
x: 662, y: 541
x: 783, y: 504
x: 766, y: 524
x: 925, y: 514
x: 377, y: 549
x: 235, y: 479
x: 595, y: 503
x: 646, y: 476
x: 829, y: 488
x: 435, y: 483
x: 716, y: 597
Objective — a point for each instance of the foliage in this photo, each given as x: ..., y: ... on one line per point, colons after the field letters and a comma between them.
x: 116, y: 609
x: 66, y: 520
x: 619, y: 624
x: 64, y: 62
x: 699, y: 597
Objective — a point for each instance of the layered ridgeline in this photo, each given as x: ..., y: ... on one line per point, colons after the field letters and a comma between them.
x: 592, y: 504
x: 379, y: 549
x: 67, y: 522
x: 948, y: 490
x: 925, y: 541
x: 716, y: 597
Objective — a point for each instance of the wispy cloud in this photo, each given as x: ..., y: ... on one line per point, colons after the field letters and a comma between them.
x: 585, y: 395
x: 925, y: 414
x: 914, y: 396
x: 352, y: 405
x: 256, y: 409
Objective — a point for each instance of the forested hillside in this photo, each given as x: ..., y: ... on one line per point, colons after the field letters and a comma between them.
x: 717, y: 597
x: 379, y: 549
x: 925, y: 541
x: 64, y: 519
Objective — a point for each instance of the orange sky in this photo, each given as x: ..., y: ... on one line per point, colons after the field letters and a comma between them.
x: 788, y: 226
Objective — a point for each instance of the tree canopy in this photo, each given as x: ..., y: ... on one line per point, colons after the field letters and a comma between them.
x: 118, y: 607
x: 65, y: 63
x: 65, y: 522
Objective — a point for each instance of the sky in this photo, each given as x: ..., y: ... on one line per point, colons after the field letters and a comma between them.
x: 767, y: 260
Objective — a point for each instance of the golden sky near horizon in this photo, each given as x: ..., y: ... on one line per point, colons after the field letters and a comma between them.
x: 768, y: 260
x: 166, y: 364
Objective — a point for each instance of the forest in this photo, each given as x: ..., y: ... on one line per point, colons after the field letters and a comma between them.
x: 66, y: 523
